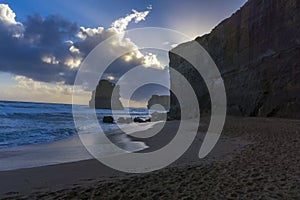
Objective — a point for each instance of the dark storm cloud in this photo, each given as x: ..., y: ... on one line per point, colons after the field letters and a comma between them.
x: 24, y: 45
x: 51, y: 49
x: 50, y: 32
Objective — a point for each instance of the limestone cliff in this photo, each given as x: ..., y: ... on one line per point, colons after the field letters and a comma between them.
x: 257, y: 51
x: 102, y: 96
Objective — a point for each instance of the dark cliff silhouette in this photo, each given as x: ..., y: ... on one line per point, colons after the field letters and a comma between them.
x: 257, y: 52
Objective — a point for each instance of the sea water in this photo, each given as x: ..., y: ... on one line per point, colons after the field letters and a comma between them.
x: 24, y: 123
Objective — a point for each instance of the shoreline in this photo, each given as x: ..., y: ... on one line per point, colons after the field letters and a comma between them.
x: 62, y: 151
x: 247, y: 147
x: 29, y: 156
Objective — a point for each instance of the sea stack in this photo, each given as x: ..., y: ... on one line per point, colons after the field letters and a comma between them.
x: 163, y: 100
x: 257, y: 52
x: 102, y: 96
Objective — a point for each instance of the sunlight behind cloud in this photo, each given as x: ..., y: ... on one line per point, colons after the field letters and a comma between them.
x: 74, y: 50
x: 150, y: 60
x: 44, y: 92
x: 53, y: 57
x: 73, y: 62
x: 50, y: 60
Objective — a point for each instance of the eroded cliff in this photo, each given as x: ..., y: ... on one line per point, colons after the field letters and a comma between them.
x: 257, y: 51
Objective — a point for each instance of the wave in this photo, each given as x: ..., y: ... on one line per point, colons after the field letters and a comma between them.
x: 35, y: 123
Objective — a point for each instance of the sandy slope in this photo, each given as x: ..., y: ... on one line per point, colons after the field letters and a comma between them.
x: 256, y: 158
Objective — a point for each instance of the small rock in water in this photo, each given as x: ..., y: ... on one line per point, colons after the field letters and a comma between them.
x: 141, y: 120
x: 108, y: 119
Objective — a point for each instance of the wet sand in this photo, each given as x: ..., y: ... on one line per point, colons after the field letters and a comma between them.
x: 255, y: 158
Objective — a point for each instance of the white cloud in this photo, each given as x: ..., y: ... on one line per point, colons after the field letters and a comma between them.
x: 72, y: 54
x: 132, y: 56
x: 69, y: 42
x: 30, y: 90
x: 7, y: 18
x: 121, y: 24
x: 41, y: 87
x: 73, y: 62
x: 111, y: 78
x: 118, y: 28
x: 17, y: 35
x: 174, y: 45
x: 150, y: 60
x: 7, y: 15
x: 89, y: 32
x: 50, y: 60
x: 74, y: 50
x: 133, y: 103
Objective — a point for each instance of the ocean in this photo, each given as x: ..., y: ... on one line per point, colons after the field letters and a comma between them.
x: 23, y: 123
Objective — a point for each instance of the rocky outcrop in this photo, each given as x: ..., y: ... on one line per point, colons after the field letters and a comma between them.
x: 163, y: 100
x: 141, y: 120
x: 108, y: 120
x: 257, y: 51
x: 102, y: 96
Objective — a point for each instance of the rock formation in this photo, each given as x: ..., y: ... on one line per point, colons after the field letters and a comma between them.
x: 163, y: 100
x: 257, y: 51
x: 102, y: 96
x: 141, y: 120
x: 108, y: 120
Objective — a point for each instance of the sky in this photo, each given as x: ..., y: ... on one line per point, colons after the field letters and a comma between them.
x: 44, y: 43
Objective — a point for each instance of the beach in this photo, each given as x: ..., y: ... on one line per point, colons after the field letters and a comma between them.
x: 123, y: 100
x: 255, y: 158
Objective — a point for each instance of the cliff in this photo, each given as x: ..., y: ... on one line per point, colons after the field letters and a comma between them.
x: 102, y: 96
x: 257, y: 51
x: 163, y: 100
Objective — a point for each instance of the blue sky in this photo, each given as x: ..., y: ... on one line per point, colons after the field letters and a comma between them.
x: 23, y: 83
x: 192, y: 16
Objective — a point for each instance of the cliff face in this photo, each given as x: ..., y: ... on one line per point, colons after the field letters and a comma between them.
x: 257, y: 51
x: 102, y: 96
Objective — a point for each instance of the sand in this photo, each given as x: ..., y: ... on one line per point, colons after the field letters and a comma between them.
x: 255, y: 158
